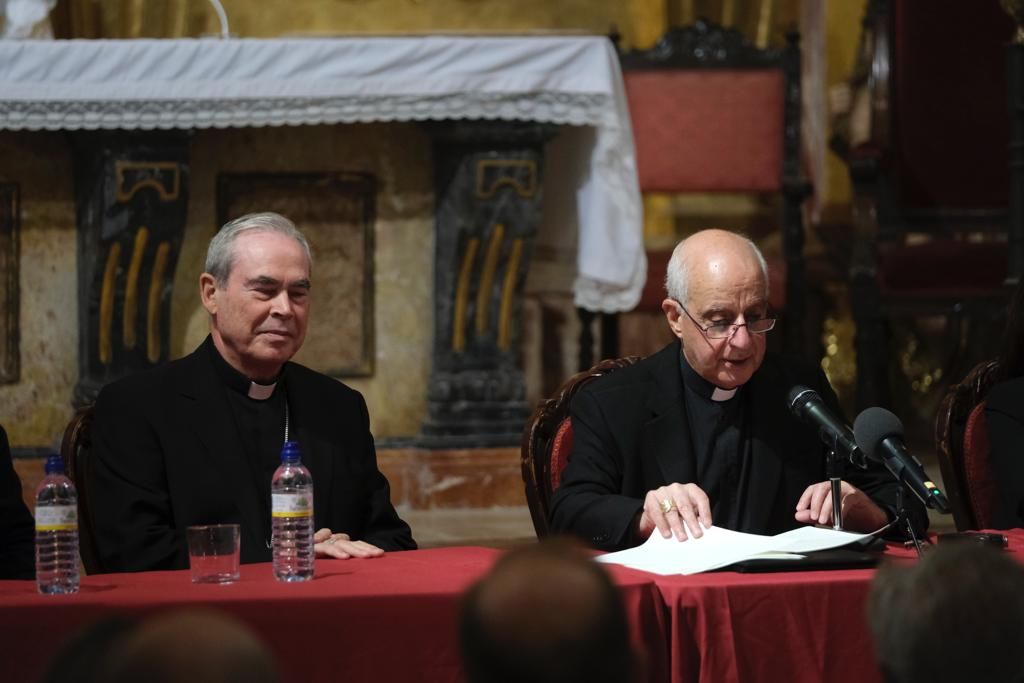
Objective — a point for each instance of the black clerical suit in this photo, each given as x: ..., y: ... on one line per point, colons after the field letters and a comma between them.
x: 17, y: 528
x: 632, y: 433
x: 1004, y: 418
x: 172, y: 449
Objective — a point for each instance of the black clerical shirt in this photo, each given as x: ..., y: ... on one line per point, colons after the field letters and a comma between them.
x: 720, y: 441
x: 260, y: 424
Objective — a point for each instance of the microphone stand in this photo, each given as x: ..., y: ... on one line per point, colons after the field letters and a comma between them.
x: 834, y: 469
x: 903, y: 518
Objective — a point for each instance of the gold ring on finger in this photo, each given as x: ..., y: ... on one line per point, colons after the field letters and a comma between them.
x: 667, y: 505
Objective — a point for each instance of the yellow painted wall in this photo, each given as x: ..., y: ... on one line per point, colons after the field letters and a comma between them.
x: 639, y: 22
x: 842, y: 26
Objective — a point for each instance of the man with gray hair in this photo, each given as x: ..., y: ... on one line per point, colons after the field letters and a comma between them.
x: 197, y: 440
x: 700, y: 432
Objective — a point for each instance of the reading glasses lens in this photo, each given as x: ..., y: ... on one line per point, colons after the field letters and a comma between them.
x: 723, y: 330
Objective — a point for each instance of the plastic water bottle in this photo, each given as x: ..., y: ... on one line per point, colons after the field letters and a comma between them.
x: 56, y: 531
x: 291, y: 493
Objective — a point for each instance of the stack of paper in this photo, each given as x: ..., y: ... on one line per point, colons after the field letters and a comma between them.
x: 720, y: 547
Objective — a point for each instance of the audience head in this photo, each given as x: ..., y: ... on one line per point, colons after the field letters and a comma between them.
x: 545, y: 613
x: 84, y: 658
x: 256, y: 290
x: 195, y: 646
x: 716, y: 277
x: 957, y: 615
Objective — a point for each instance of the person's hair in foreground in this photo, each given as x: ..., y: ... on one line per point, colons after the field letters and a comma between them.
x: 545, y: 613
x: 957, y: 615
x: 191, y: 646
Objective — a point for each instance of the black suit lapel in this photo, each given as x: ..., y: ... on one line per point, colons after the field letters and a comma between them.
x: 665, y: 436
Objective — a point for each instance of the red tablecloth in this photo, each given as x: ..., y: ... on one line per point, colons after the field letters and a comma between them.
x: 792, y: 626
x: 781, y: 626
x: 395, y: 618
x: 388, y: 619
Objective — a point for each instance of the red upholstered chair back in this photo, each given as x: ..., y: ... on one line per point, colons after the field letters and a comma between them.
x: 547, y: 441
x: 713, y: 113
x: 703, y: 130
x: 981, y: 486
x: 76, y: 450
x: 963, y: 449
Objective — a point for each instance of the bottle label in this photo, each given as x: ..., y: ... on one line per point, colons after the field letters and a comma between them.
x: 291, y: 505
x: 57, y: 518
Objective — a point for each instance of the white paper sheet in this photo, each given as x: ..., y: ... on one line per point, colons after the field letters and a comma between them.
x: 720, y: 547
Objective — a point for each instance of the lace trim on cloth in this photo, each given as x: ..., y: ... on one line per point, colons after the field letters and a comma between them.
x: 84, y: 114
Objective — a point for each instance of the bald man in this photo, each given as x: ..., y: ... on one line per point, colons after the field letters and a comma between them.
x: 700, y: 433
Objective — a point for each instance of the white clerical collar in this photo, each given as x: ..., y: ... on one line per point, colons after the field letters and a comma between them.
x: 261, y: 392
x: 720, y: 395
x: 700, y: 386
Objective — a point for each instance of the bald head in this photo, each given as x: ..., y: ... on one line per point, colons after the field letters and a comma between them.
x: 545, y: 613
x: 717, y: 255
x: 717, y: 286
x: 198, y: 646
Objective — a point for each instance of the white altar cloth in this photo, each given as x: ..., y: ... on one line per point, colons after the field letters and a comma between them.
x: 163, y: 84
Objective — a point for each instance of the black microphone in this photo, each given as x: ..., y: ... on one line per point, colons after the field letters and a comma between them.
x: 808, y: 405
x: 880, y: 434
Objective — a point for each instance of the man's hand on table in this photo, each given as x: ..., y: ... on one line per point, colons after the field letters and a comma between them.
x: 675, y: 509
x: 341, y: 547
x: 860, y: 513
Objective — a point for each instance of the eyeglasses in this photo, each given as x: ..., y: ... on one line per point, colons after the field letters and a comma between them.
x: 724, y: 330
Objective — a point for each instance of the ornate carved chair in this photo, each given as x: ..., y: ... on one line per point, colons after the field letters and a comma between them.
x: 928, y: 162
x: 713, y: 113
x: 547, y: 441
x: 963, y: 449
x: 75, y: 448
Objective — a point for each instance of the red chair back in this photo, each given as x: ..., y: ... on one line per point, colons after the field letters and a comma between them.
x: 962, y: 445
x: 76, y: 450
x: 547, y: 441
x: 981, y: 486
x: 707, y: 130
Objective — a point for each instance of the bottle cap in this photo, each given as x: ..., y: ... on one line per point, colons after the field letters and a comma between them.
x: 54, y: 464
x: 290, y: 451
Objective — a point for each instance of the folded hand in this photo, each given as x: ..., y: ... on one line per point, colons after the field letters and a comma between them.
x: 342, y: 547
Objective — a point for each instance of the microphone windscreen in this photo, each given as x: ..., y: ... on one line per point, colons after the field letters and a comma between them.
x: 798, y: 396
x: 873, y: 426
